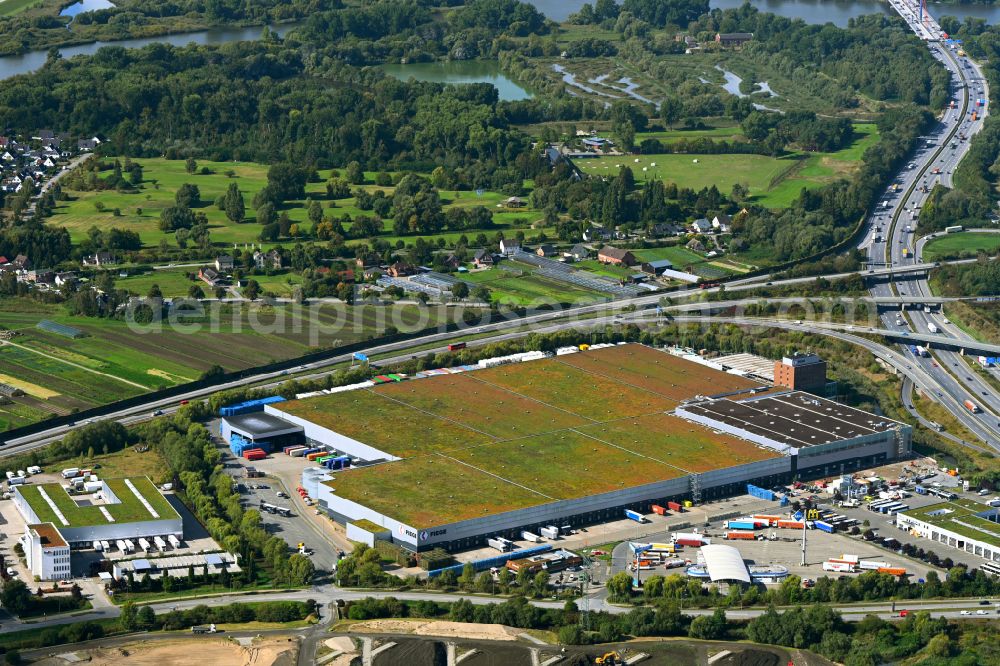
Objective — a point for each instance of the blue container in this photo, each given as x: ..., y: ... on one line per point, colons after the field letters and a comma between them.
x: 822, y: 526
x: 635, y: 515
x: 741, y: 525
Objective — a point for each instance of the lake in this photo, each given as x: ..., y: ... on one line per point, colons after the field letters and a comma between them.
x: 837, y: 12
x: 84, y: 6
x: 462, y: 71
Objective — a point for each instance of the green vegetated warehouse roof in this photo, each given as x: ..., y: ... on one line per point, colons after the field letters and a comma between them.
x: 960, y: 516
x: 130, y: 508
x: 526, y: 434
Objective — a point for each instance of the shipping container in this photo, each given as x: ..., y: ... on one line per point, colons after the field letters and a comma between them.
x: 659, y: 510
x: 823, y: 526
x: 746, y: 536
x: 174, y: 541
x: 529, y: 536
x: 635, y: 515
x: 105, y: 546
x: 741, y: 525
x: 674, y: 506
x: 144, y: 545
x: 501, y: 544
x: 791, y: 524
x: 314, y: 456
x: 895, y: 571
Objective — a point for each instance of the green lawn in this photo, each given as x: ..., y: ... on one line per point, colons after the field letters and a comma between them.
x: 773, y: 182
x: 529, y: 289
x: 12, y: 7
x: 727, y: 133
x: 948, y: 246
x: 678, y: 254
x: 140, y: 211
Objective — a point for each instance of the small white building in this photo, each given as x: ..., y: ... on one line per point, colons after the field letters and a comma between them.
x: 46, y: 552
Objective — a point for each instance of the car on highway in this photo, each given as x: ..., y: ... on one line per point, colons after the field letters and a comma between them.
x: 980, y: 612
x: 965, y: 612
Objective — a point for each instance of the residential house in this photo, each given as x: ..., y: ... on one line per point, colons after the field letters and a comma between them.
x: 45, y: 135
x: 509, y: 246
x: 99, y: 259
x: 401, y: 269
x: 209, y: 276
x: 657, y: 267
x: 597, y: 144
x: 695, y: 245
x: 484, y: 259
x: 270, y: 259
x: 553, y: 155
x: 367, y: 261
x: 546, y: 250
x: 579, y: 252
x: 661, y: 229
x: 224, y: 263
x: 732, y: 39
x: 616, y: 256
x: 515, y: 202
x: 41, y: 276
x: 596, y: 233
x: 721, y: 223
x: 452, y: 262
x: 65, y: 279
x: 22, y: 262
x: 88, y: 145
x: 701, y: 226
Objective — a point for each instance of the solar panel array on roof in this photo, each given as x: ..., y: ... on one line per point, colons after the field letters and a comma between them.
x: 797, y: 419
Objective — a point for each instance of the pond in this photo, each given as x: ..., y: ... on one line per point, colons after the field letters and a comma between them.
x: 462, y: 71
x: 84, y: 6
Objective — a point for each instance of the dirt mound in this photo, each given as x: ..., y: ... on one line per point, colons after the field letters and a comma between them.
x: 480, y: 632
x: 179, y: 653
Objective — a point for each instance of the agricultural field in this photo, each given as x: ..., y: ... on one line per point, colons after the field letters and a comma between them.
x: 535, y: 432
x: 140, y: 211
x: 950, y: 246
x: 115, y: 361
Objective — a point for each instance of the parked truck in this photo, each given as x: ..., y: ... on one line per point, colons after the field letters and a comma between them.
x: 823, y: 526
x: 174, y: 541
x: 659, y: 510
x: 550, y: 532
x: 501, y: 544
x: 740, y: 525
x: 692, y: 539
x: 635, y: 515
x: 530, y: 536
x: 740, y: 535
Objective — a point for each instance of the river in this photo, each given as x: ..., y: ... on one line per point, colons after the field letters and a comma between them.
x: 837, y: 12
x: 29, y: 62
x: 813, y: 11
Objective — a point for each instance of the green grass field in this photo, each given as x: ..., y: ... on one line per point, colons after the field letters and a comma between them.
x: 947, y: 246
x: 773, y: 182
x: 679, y: 255
x: 140, y: 211
x: 12, y: 7
x: 529, y: 289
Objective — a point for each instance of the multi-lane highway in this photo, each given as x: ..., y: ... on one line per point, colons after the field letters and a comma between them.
x: 889, y: 237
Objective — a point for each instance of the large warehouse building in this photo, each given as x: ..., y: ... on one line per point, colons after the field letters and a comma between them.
x: 960, y: 523
x: 570, y: 440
